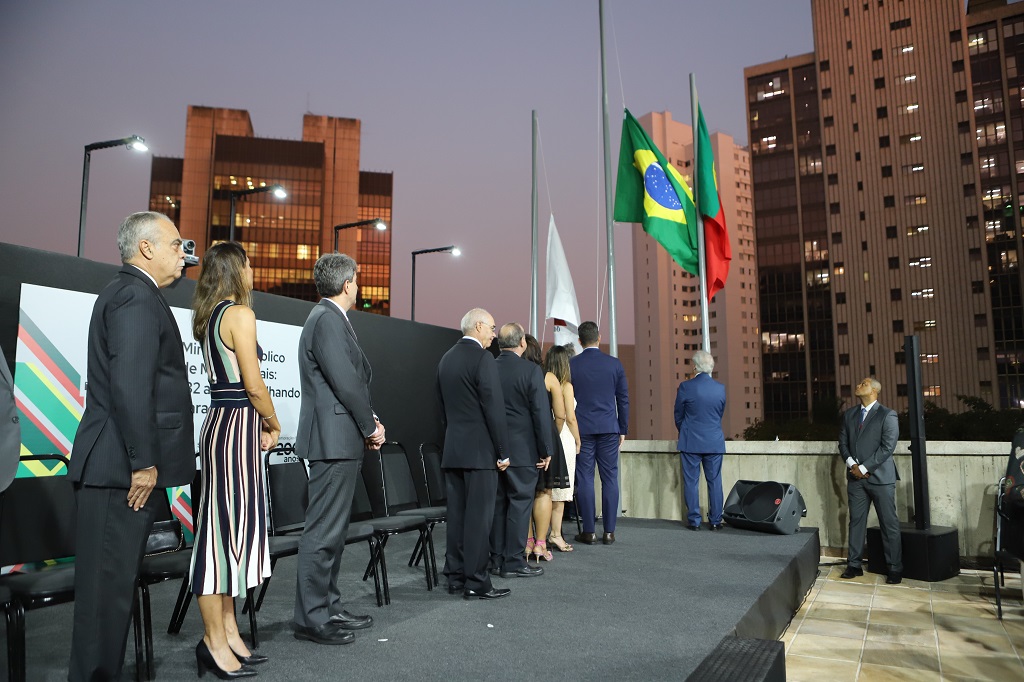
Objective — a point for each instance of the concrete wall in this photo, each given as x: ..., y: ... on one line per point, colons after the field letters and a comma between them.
x: 962, y: 478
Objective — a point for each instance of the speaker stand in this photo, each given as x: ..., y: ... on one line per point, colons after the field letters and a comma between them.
x: 930, y: 555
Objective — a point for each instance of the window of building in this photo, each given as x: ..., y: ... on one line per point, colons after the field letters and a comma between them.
x: 967, y: 159
x: 933, y: 391
x: 856, y: 127
x: 850, y: 69
x: 911, y: 168
x: 894, y: 262
x: 929, y: 358
x: 883, y: 141
x: 897, y: 25
x: 882, y: 112
x: 829, y: 121
x: 910, y: 138
x: 897, y: 326
x: 833, y: 178
x: 840, y: 297
x: 889, y: 201
x: 856, y: 156
x: 983, y: 353
x: 909, y: 108
x: 826, y: 93
x: 915, y: 230
x: 890, y: 232
x: 903, y: 49
x: 838, y: 268
x: 837, y: 238
x: 895, y: 294
x: 920, y: 262
x: 980, y: 320
x: 830, y: 150
x: 867, y: 307
x: 915, y: 199
x: 960, y: 96
x: 977, y: 287
x: 860, y: 185
x: 958, y: 66
x: 880, y: 83
x: 823, y: 65
x: 886, y: 171
x: 963, y: 127
x: 862, y: 216
x: 900, y: 358
x: 928, y: 292
x: 969, y: 190
x: 876, y: 54
x: 955, y: 37
x: 871, y: 338
x: 842, y: 328
x: 844, y: 359
x: 924, y: 325
x: 982, y: 41
x: 833, y: 208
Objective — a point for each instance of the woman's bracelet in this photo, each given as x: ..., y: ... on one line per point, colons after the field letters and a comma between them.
x: 266, y: 419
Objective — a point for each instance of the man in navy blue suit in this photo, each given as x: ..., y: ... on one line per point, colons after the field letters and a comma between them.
x: 602, y: 412
x: 700, y: 403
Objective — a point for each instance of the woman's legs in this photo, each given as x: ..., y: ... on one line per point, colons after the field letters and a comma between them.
x: 211, y: 607
x: 542, y: 517
x: 231, y: 628
x: 557, y: 510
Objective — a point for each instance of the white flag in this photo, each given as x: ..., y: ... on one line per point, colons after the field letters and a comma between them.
x: 561, y: 294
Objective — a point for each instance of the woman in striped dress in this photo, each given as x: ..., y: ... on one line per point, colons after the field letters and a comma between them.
x: 231, y: 551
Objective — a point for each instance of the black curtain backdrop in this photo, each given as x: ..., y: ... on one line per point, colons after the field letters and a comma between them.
x: 404, y: 354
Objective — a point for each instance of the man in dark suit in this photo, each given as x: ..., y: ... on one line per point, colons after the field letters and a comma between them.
x: 700, y: 403
x: 475, y: 449
x: 602, y: 412
x: 10, y: 431
x: 867, y: 439
x: 528, y: 415
x: 336, y: 421
x: 135, y: 437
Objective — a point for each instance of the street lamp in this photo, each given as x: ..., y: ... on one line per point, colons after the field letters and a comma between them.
x: 454, y: 250
x: 376, y: 222
x: 133, y: 142
x: 278, y: 191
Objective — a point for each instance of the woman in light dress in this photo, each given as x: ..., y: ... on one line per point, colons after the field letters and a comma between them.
x: 557, y: 366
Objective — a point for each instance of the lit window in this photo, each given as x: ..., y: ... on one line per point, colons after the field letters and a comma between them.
x: 932, y: 391
x: 914, y: 230
x: 910, y: 78
x: 923, y: 293
x: 930, y: 358
x: 922, y: 262
x: 911, y: 108
x: 303, y: 251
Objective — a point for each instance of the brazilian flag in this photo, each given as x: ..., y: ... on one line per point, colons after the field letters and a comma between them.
x: 645, y: 193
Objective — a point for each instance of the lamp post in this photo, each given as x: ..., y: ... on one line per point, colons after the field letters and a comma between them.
x: 278, y: 191
x: 376, y: 222
x: 454, y: 250
x: 132, y: 142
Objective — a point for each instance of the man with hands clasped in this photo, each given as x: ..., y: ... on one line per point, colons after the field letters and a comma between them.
x: 867, y: 440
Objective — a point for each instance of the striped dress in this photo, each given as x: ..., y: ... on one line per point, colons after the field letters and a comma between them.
x: 231, y: 552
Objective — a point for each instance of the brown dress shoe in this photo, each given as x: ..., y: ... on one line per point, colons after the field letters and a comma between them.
x: 586, y: 538
x: 608, y: 538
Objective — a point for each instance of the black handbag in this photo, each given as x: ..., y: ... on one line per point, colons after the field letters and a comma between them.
x: 165, y: 537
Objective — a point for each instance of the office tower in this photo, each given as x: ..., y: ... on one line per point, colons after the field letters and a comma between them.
x: 667, y: 299
x: 886, y: 201
x: 282, y: 237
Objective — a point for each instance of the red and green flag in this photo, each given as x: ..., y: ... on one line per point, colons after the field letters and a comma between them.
x: 717, y: 251
x: 651, y: 192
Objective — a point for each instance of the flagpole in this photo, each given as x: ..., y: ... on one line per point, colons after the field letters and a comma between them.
x: 533, y: 234
x: 613, y: 338
x: 701, y: 259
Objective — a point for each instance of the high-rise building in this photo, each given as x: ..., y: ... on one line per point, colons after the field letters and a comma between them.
x: 886, y: 197
x: 283, y: 238
x: 667, y: 300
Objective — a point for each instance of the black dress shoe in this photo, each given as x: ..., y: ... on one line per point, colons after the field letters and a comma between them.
x: 349, y: 622
x: 693, y: 527
x: 251, y: 659
x: 205, y: 661
x: 328, y: 633
x: 586, y: 538
x: 894, y: 578
x: 494, y: 571
x: 852, y: 572
x: 524, y: 572
x: 608, y: 538
x: 494, y: 593
x: 716, y: 526
x: 455, y: 589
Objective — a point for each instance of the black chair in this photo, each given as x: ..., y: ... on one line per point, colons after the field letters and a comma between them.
x: 406, y: 494
x: 287, y: 499
x: 37, y: 524
x: 368, y: 506
x: 433, y: 476
x: 1009, y: 512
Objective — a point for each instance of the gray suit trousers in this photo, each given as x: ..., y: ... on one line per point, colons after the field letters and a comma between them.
x: 861, y: 495
x: 332, y: 484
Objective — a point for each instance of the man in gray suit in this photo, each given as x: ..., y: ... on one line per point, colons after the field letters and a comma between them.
x: 867, y: 439
x: 336, y: 422
x: 10, y: 431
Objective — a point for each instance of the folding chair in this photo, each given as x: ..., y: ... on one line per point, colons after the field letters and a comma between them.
x: 405, y: 494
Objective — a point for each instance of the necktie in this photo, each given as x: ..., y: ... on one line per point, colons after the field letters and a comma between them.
x: 863, y: 416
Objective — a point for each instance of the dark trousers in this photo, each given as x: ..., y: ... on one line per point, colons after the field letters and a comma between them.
x: 332, y: 484
x: 513, y: 507
x: 691, y: 464
x: 110, y: 539
x: 861, y: 495
x: 470, y: 512
x: 602, y: 449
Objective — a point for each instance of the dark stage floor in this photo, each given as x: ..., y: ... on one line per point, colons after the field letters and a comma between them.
x: 649, y: 607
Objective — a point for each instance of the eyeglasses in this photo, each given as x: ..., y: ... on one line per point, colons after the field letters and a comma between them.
x: 485, y: 324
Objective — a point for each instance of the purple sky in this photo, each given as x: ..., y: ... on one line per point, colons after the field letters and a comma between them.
x: 444, y: 90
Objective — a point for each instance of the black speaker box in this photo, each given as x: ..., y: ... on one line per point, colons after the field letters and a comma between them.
x: 767, y: 506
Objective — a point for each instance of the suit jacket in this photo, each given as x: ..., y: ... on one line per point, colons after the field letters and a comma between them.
x: 700, y: 403
x: 602, y: 399
x: 138, y: 410
x: 335, y: 414
x: 527, y: 410
x: 472, y: 408
x: 872, y: 443
x: 10, y: 431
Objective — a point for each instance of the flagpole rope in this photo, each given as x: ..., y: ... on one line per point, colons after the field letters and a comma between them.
x: 544, y: 165
x: 618, y: 63
x: 601, y: 282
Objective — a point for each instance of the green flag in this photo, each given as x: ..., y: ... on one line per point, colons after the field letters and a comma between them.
x: 647, y: 193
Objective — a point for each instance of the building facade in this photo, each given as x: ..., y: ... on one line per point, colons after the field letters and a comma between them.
x: 886, y: 203
x: 667, y: 300
x: 283, y: 237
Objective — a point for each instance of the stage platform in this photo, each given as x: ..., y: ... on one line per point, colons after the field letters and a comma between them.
x: 650, y: 607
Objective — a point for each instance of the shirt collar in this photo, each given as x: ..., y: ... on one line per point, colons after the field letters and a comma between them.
x: 474, y: 339
x: 868, y: 407
x: 332, y: 302
x: 151, y: 279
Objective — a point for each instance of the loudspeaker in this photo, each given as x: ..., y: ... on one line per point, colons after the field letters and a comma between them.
x: 766, y: 506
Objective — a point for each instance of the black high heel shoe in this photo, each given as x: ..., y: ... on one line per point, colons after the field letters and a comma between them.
x: 251, y: 659
x: 205, y: 661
